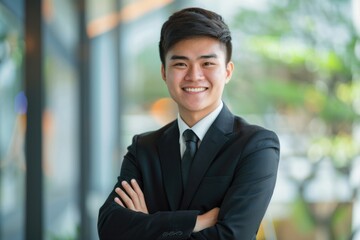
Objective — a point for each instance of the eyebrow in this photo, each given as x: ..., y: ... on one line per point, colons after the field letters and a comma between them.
x: 178, y: 57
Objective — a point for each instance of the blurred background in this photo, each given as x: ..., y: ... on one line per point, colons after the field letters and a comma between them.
x: 78, y: 78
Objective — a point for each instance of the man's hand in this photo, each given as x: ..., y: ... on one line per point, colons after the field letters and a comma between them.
x: 133, y: 198
x: 206, y: 220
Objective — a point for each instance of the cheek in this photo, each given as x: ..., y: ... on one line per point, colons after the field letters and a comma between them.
x: 219, y: 86
x: 174, y: 77
x: 171, y: 85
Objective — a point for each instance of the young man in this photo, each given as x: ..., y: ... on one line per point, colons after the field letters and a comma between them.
x: 226, y: 188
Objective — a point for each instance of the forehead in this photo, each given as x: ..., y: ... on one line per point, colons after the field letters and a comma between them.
x: 196, y: 47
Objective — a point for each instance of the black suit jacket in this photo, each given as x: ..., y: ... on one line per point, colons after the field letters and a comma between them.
x: 234, y: 168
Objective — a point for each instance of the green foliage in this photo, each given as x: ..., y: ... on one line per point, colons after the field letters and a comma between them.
x: 298, y: 59
x: 301, y: 67
x: 341, y: 149
x: 303, y: 220
x: 341, y: 222
x: 294, y: 53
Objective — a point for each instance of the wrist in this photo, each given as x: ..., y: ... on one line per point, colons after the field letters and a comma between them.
x: 206, y: 220
x: 198, y: 224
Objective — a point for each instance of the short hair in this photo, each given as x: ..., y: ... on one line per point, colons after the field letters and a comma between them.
x: 193, y: 22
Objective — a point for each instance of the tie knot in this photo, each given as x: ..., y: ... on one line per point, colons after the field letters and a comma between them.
x: 189, y: 135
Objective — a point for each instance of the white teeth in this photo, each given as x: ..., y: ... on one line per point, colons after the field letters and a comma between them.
x: 200, y: 89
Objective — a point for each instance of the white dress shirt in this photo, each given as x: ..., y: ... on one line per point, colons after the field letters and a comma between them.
x: 200, y: 128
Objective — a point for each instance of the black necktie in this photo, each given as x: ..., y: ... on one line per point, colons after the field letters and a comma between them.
x: 191, y: 146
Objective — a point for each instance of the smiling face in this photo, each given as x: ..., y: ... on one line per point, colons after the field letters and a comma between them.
x: 195, y: 74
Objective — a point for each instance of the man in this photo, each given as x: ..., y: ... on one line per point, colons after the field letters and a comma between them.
x: 223, y: 191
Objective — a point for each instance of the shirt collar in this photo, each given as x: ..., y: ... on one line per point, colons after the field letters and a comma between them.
x: 201, y: 127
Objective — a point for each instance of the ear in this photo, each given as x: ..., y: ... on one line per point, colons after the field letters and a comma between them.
x: 229, y: 71
x: 163, y: 73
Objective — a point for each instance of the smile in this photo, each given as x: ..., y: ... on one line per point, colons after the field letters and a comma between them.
x: 198, y: 89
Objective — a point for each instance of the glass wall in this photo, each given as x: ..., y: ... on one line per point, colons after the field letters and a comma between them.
x: 60, y: 120
x: 105, y: 105
x: 12, y: 124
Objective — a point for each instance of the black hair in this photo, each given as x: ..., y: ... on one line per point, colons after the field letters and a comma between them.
x: 193, y: 22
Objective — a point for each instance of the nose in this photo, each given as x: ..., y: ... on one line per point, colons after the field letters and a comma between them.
x: 194, y: 73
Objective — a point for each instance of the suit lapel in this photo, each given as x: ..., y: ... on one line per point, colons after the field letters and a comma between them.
x: 169, y: 153
x: 213, y: 141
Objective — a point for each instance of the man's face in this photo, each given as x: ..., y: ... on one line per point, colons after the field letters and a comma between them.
x: 195, y: 74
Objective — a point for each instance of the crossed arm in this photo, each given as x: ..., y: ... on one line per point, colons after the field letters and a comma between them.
x: 243, y: 204
x: 133, y: 199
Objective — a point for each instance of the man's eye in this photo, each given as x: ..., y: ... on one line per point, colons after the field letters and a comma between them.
x: 180, y: 64
x: 208, y: 64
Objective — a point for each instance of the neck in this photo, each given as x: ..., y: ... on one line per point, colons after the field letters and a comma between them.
x: 193, y: 117
x: 191, y: 120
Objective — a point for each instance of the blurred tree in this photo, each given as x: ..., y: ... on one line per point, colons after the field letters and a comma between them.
x: 300, y: 59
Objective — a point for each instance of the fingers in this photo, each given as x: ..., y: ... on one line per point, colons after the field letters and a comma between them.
x: 132, y: 198
x: 124, y: 199
x: 118, y: 201
x: 140, y: 196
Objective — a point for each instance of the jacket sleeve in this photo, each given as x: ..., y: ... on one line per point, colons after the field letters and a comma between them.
x: 116, y: 222
x: 247, y: 199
